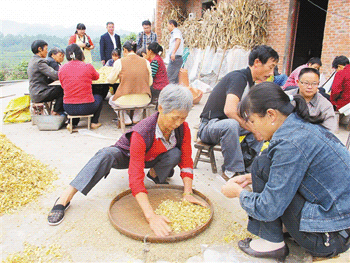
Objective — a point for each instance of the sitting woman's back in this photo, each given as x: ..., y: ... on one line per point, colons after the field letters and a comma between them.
x: 76, y: 79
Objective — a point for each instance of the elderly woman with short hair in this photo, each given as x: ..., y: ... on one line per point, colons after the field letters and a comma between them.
x: 55, y: 58
x: 159, y: 142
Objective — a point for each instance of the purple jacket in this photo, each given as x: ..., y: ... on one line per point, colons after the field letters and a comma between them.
x: 147, y: 129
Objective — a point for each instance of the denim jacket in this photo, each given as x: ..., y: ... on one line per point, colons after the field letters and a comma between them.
x: 309, y: 159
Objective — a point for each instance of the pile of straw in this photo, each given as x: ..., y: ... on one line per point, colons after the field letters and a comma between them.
x: 225, y: 25
x: 170, y: 13
x: 23, y: 178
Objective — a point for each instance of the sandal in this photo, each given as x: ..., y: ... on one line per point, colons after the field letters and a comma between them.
x: 56, y: 215
x: 278, y: 254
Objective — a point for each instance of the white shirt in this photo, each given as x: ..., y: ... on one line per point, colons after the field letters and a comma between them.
x: 176, y: 33
x: 113, y: 40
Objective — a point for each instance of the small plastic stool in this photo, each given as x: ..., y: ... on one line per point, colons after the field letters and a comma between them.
x: 71, y: 117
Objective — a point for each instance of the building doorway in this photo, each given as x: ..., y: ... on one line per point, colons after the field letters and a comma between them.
x: 310, y: 30
x: 207, y: 5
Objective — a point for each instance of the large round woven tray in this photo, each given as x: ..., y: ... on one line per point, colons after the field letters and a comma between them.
x: 127, y: 217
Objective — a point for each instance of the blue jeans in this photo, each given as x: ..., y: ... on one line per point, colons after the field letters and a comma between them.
x: 107, y: 158
x: 85, y: 109
x: 227, y: 132
x: 314, y: 243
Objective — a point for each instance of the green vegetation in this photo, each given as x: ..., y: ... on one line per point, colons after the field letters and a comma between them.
x: 15, y: 52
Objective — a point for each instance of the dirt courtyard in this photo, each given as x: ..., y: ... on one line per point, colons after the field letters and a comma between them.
x: 86, y: 235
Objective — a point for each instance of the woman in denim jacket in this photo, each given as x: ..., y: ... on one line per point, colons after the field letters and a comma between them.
x: 301, y: 182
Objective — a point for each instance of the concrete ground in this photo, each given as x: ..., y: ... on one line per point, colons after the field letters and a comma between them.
x: 86, y: 234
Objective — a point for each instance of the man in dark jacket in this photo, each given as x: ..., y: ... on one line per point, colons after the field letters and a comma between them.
x: 40, y: 74
x: 108, y: 42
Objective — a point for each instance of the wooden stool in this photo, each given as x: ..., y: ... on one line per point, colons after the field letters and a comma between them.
x: 207, y: 151
x: 121, y: 122
x: 71, y: 117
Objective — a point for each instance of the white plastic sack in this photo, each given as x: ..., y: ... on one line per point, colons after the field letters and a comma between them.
x: 224, y: 69
x: 194, y: 70
x: 217, y: 60
x: 207, y: 61
x: 166, y: 57
x: 190, y: 59
x: 197, y: 84
x: 237, y: 58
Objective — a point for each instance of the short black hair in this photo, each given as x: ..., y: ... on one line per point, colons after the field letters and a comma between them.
x: 155, y: 47
x: 116, y: 51
x: 109, y: 23
x: 172, y: 22
x: 74, y: 52
x: 130, y: 45
x: 54, y: 51
x: 141, y: 50
x: 263, y: 53
x: 36, y: 44
x: 309, y: 70
x: 315, y: 60
x: 146, y: 23
x: 340, y: 60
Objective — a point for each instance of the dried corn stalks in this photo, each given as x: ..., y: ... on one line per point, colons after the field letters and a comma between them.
x: 183, y: 215
x: 22, y: 177
x: 176, y: 14
x: 229, y: 23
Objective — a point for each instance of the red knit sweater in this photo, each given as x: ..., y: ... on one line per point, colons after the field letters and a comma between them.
x: 138, y: 157
x: 76, y: 78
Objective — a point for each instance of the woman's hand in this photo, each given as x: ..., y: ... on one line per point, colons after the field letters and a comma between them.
x: 243, y: 180
x: 231, y: 189
x: 190, y: 198
x: 159, y: 225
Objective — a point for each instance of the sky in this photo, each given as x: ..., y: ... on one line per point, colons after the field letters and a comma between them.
x: 126, y: 14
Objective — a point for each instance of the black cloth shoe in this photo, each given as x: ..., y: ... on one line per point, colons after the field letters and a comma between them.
x: 278, y: 254
x: 56, y: 215
x: 155, y: 179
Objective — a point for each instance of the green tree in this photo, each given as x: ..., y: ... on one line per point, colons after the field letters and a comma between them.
x: 131, y: 36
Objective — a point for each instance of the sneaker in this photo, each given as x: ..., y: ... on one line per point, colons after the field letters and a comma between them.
x: 127, y: 119
x: 56, y: 215
x: 154, y: 179
x: 137, y: 116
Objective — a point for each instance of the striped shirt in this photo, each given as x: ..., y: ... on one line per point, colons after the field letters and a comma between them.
x: 154, y: 67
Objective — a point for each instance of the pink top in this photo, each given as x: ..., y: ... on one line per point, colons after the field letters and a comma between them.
x: 294, y: 76
x: 76, y: 78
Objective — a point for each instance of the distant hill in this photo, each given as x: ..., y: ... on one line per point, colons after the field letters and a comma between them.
x: 14, y: 28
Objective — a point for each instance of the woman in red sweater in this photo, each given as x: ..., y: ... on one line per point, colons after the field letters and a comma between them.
x: 160, y: 142
x: 76, y: 78
x: 83, y: 41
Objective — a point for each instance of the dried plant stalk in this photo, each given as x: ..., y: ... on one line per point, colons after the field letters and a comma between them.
x: 184, y: 216
x: 22, y: 177
x: 238, y: 23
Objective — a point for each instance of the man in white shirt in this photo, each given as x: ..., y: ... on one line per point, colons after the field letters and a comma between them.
x: 108, y: 42
x: 176, y: 47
